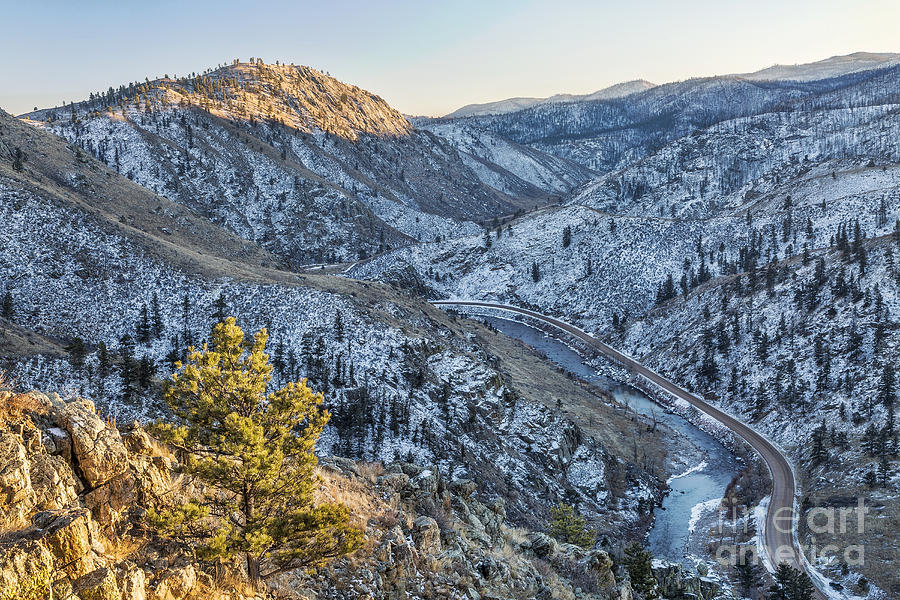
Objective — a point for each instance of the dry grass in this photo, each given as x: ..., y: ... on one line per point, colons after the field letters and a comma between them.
x: 14, y: 407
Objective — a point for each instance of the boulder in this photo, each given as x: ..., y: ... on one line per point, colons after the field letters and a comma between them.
x: 675, y: 582
x: 67, y: 534
x: 132, y: 582
x: 27, y: 570
x: 174, y: 584
x: 58, y: 441
x: 54, y: 482
x: 98, y: 450
x: 463, y: 488
x: 16, y: 494
x: 392, y: 483
x: 99, y: 584
x: 543, y: 545
x: 427, y: 535
x: 138, y: 441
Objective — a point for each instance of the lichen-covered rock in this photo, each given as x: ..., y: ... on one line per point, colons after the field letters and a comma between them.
x: 98, y: 449
x: 54, y: 482
x: 99, y: 584
x: 67, y: 534
x: 174, y: 584
x: 132, y: 582
x: 27, y: 568
x: 16, y: 494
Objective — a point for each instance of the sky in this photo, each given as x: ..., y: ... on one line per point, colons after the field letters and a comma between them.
x: 427, y: 57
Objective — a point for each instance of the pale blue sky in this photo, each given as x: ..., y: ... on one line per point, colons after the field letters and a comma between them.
x: 427, y: 57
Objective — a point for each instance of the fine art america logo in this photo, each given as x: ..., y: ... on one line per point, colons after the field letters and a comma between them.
x: 826, y: 521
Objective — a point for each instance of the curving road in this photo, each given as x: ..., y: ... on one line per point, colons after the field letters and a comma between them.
x: 781, y: 545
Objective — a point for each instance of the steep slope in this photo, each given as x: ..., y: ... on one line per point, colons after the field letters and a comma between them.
x: 401, y: 378
x: 311, y: 169
x: 517, y: 170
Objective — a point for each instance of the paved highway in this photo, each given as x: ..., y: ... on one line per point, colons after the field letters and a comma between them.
x: 780, y: 519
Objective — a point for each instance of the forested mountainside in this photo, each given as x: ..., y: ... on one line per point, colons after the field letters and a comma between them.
x: 100, y: 301
x: 307, y: 167
x: 611, y: 134
x: 753, y: 260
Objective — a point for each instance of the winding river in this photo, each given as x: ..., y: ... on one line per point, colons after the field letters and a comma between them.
x: 700, y: 486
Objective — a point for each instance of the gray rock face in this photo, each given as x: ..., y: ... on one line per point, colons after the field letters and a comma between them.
x: 675, y: 582
x: 427, y: 535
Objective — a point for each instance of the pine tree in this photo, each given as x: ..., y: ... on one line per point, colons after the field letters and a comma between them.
x: 535, y: 272
x: 127, y: 371
x: 7, y: 310
x: 639, y: 564
x: 157, y: 317
x: 221, y: 308
x: 143, y: 326
x: 791, y: 584
x: 568, y: 526
x: 19, y: 159
x: 77, y: 353
x: 338, y: 326
x: 748, y: 575
x: 567, y: 236
x: 819, y: 454
x: 886, y: 386
x: 103, y: 363
x: 885, y: 470
x: 254, y: 450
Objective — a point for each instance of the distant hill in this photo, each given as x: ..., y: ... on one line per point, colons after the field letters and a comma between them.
x: 513, y: 104
x: 829, y: 67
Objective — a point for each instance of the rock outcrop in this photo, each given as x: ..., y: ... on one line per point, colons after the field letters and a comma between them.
x: 74, y: 489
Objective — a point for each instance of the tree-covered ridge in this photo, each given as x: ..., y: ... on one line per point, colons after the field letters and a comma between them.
x: 296, y: 96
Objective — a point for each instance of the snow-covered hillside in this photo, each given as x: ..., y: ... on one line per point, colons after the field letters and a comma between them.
x: 403, y: 380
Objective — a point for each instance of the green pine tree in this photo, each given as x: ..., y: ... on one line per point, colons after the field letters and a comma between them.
x: 568, y: 526
x: 253, y: 449
x: 639, y: 564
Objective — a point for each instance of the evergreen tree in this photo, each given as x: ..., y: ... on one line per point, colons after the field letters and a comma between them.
x: 886, y: 385
x: 143, y: 326
x: 127, y: 372
x: 748, y: 575
x: 19, y: 158
x: 7, y: 310
x: 221, y: 308
x: 77, y: 353
x: 254, y: 450
x: 819, y: 454
x: 146, y: 371
x: 567, y: 236
x: 639, y: 564
x: 338, y: 326
x: 885, y: 470
x: 535, y: 272
x: 157, y: 324
x: 568, y: 526
x: 791, y: 584
x: 103, y: 363
x: 487, y: 238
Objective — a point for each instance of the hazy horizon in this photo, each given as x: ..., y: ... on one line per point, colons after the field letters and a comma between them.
x: 431, y: 60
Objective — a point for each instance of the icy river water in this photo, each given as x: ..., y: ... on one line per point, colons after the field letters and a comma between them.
x: 692, y: 492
